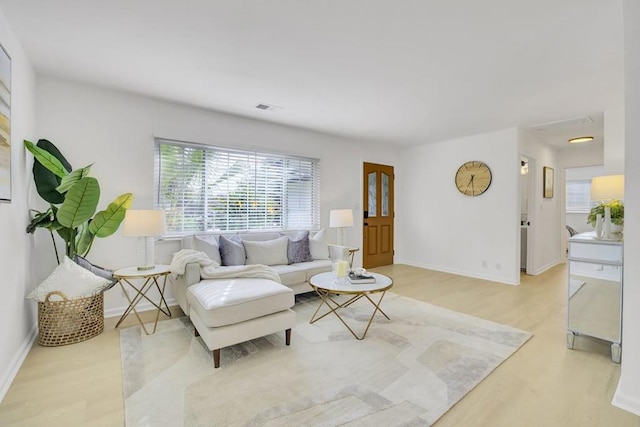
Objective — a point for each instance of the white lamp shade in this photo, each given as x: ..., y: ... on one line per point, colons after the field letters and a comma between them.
x: 341, y: 218
x: 607, y: 187
x: 144, y: 223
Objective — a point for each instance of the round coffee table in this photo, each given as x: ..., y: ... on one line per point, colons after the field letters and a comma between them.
x: 326, y: 287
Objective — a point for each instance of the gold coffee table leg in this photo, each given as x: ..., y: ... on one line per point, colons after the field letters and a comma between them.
x: 326, y: 300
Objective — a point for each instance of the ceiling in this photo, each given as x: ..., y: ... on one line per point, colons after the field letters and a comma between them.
x: 401, y: 72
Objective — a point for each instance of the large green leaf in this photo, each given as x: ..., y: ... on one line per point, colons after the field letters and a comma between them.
x: 45, y: 180
x: 46, y: 159
x: 41, y: 219
x: 83, y: 239
x: 106, y: 222
x: 68, y: 180
x: 80, y: 203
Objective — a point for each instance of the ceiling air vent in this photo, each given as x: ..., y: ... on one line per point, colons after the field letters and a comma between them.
x: 268, y: 107
x: 561, y: 124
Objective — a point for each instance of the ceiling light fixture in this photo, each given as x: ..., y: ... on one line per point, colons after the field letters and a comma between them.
x: 580, y: 139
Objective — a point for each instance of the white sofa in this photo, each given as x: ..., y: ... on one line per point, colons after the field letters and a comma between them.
x: 295, y: 276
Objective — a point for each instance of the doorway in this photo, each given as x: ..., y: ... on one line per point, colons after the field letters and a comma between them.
x: 378, y: 210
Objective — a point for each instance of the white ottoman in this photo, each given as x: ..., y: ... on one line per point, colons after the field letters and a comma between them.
x: 230, y: 311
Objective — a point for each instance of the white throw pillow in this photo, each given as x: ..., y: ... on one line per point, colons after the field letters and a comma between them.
x: 267, y: 252
x: 70, y: 279
x: 318, y: 246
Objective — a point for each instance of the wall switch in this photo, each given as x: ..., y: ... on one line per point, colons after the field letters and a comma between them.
x: 484, y: 264
x: 498, y: 266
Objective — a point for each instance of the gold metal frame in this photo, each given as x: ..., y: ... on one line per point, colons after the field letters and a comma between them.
x: 333, y: 305
x: 141, y: 292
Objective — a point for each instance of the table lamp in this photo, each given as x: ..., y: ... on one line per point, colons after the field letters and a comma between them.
x: 145, y: 223
x: 605, y: 189
x: 341, y: 218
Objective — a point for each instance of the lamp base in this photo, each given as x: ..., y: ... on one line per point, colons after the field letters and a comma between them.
x: 146, y: 254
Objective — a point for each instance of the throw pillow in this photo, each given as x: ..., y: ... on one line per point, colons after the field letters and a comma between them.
x: 267, y: 252
x: 95, y: 269
x: 318, y: 246
x: 232, y: 251
x: 298, y: 248
x: 72, y: 280
x: 208, y: 246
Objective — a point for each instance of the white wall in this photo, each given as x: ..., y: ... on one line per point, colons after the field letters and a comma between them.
x: 445, y: 230
x: 628, y: 393
x: 546, y: 231
x: 17, y: 258
x: 614, y: 141
x: 115, y: 130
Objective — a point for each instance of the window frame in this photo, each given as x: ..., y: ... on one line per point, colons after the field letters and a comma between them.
x: 281, y: 191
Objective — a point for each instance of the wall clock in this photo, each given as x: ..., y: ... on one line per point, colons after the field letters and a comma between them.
x: 473, y: 178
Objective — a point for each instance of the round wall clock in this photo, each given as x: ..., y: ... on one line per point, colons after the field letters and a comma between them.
x: 473, y: 178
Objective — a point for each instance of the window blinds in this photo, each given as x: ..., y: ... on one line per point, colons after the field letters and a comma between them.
x: 578, y: 195
x: 206, y: 188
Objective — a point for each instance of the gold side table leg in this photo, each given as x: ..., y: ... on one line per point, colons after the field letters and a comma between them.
x: 140, y: 293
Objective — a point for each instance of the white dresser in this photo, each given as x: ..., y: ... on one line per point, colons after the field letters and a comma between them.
x: 594, y: 306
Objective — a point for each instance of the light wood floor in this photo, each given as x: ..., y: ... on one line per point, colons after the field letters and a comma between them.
x: 542, y: 384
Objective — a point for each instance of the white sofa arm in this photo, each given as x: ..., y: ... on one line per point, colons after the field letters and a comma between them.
x: 180, y: 284
x: 337, y: 252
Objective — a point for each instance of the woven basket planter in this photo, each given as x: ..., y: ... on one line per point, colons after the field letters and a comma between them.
x: 71, y: 320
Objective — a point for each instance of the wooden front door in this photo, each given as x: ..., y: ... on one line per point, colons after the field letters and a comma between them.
x: 378, y: 215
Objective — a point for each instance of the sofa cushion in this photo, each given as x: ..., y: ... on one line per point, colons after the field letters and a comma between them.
x: 298, y: 248
x: 223, y: 302
x: 232, y: 250
x: 269, y: 252
x: 295, y: 274
x: 318, y: 245
x: 209, y: 246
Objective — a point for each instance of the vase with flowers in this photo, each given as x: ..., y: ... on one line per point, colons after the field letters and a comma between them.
x: 617, y: 214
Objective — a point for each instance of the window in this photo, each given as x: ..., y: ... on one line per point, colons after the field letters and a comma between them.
x: 578, y: 196
x: 206, y: 188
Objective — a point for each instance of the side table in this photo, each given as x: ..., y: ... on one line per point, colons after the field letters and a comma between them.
x: 129, y: 276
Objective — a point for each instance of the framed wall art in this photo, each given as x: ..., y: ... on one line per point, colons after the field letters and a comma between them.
x: 5, y: 126
x: 547, y: 176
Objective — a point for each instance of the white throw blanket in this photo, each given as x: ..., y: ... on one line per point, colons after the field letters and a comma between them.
x: 210, y: 269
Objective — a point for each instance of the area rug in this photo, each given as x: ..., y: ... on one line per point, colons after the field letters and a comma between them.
x: 407, y: 371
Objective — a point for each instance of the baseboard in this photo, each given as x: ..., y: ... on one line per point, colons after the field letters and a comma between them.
x: 142, y: 306
x: 547, y: 267
x: 12, y: 370
x: 457, y: 271
x: 624, y: 402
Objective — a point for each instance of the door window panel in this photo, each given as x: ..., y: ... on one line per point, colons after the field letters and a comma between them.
x: 373, y: 202
x: 385, y: 194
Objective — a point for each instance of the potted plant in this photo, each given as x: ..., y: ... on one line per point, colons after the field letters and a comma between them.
x: 73, y: 199
x: 617, y: 213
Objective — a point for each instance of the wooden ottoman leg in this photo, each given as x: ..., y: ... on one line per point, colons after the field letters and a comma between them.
x: 287, y: 335
x: 216, y: 358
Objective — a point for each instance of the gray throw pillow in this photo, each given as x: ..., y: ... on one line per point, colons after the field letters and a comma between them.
x: 208, y: 246
x: 95, y: 269
x: 232, y: 250
x: 298, y: 249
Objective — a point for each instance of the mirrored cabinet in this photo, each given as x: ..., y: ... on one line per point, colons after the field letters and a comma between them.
x: 595, y: 290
